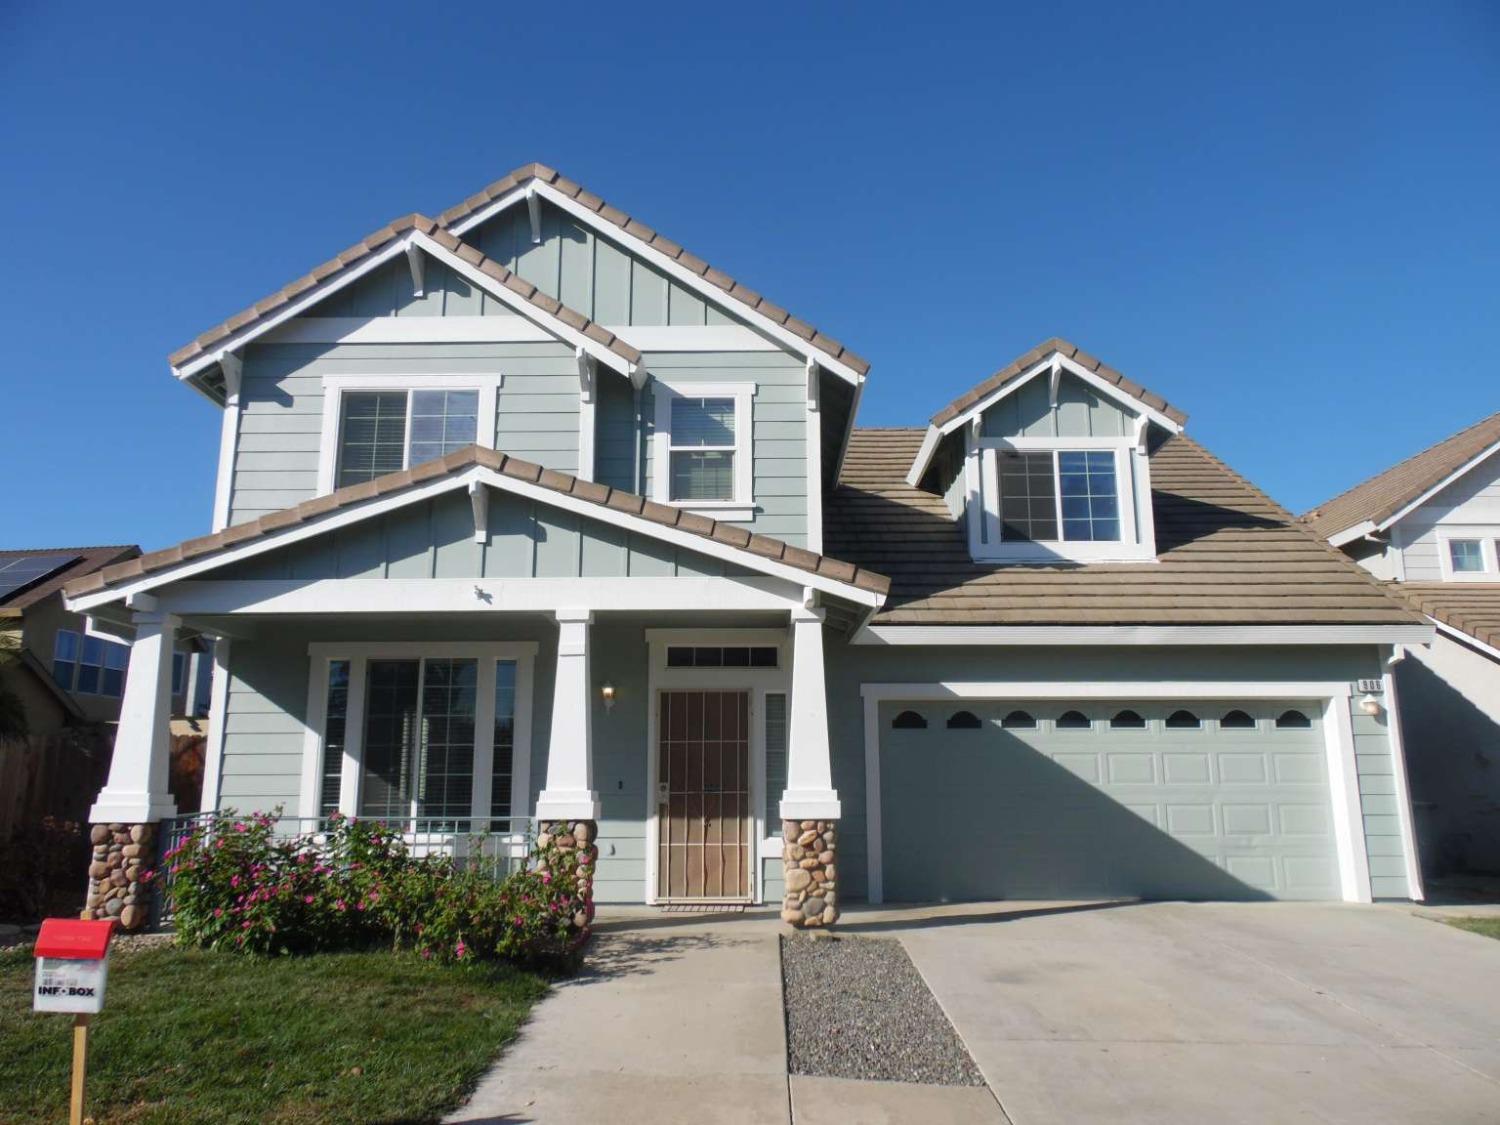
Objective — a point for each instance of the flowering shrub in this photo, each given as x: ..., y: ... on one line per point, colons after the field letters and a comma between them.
x: 237, y: 884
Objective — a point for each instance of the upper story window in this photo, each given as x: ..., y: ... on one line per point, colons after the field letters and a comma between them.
x: 1061, y: 494
x: 1469, y: 554
x: 702, y: 452
x: 373, y: 425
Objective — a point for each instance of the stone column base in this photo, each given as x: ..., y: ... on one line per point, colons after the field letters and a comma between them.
x: 579, y: 836
x: 122, y: 854
x: 808, y: 853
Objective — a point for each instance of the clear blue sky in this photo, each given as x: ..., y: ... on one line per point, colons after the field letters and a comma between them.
x: 1285, y: 218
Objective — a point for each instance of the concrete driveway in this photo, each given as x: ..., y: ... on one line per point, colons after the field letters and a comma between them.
x: 1175, y: 1012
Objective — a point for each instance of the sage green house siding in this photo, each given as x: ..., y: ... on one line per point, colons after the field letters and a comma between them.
x: 1080, y: 411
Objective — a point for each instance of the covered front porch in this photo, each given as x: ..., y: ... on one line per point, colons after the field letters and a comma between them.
x: 473, y: 663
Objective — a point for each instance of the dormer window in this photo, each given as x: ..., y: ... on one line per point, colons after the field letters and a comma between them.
x: 1049, y: 462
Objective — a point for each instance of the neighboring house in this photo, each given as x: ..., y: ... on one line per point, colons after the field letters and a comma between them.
x: 1431, y: 527
x: 529, y: 514
x: 62, y: 672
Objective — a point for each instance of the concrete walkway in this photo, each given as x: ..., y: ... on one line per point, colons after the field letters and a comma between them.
x: 1105, y: 1012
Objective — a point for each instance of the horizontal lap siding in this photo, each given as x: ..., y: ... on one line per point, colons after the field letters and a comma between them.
x: 263, y: 727
x: 276, y: 459
x: 1375, y: 771
x: 779, y: 433
x: 1472, y: 500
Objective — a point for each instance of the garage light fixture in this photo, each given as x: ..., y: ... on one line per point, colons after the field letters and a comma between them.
x: 1369, y: 704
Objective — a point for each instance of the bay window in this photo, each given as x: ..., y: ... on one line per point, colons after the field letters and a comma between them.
x: 373, y: 425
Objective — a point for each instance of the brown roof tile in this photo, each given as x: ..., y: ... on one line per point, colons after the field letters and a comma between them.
x: 1226, y: 554
x: 1383, y: 495
x: 550, y: 479
x: 614, y: 215
x: 1071, y: 351
x: 361, y: 250
x: 1469, y: 607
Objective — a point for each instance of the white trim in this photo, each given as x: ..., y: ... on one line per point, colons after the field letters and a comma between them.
x: 467, y: 329
x: 294, y: 596
x: 559, y: 329
x: 321, y: 654
x: 679, y: 273
x: 1053, y: 362
x: 1483, y: 534
x: 1349, y: 535
x: 742, y: 503
x: 1404, y: 815
x: 1142, y: 635
x: 229, y: 437
x: 335, y: 387
x: 1461, y: 471
x: 588, y: 376
x: 1348, y: 820
x: 355, y: 513
x: 814, y: 472
x: 1465, y: 638
x: 218, y: 703
x: 757, y: 682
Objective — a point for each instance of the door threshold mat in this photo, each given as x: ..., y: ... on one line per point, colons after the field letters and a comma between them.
x: 703, y: 908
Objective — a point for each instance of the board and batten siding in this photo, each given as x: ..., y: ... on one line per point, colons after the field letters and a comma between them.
x: 1473, y: 501
x: 1080, y: 412
x: 281, y: 422
x: 435, y: 539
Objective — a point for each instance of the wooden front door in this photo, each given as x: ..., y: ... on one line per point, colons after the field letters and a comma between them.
x: 703, y: 795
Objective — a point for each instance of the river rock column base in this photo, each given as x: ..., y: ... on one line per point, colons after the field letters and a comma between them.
x: 580, y: 836
x: 122, y: 854
x: 809, y: 849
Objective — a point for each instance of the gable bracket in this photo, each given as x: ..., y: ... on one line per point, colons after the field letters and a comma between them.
x: 534, y: 210
x: 416, y: 261
x: 479, y: 501
x: 233, y: 368
x: 812, y: 385
x: 1142, y: 427
x: 587, y: 374
x: 1054, y: 378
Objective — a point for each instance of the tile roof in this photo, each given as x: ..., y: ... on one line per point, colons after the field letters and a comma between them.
x: 1227, y: 554
x: 1030, y: 359
x: 602, y: 495
x: 1469, y: 607
x: 374, y: 242
x: 90, y: 559
x: 634, y: 227
x: 1383, y: 495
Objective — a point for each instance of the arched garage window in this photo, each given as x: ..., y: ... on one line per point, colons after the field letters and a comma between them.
x: 1018, y: 720
x: 908, y: 720
x: 1128, y: 720
x: 1073, y: 720
x: 963, y: 720
x: 1236, y: 720
x: 1183, y: 720
x: 1293, y: 720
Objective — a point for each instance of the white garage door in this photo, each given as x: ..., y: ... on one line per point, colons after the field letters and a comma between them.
x: 1069, y: 799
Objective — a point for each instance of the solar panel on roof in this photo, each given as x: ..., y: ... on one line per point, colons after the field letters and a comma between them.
x: 27, y: 570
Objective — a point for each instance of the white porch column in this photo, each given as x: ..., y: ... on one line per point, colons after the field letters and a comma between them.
x: 569, y: 793
x: 137, y: 792
x: 809, y: 791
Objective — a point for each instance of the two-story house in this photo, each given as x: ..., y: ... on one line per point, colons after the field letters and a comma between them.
x: 1430, y: 526
x: 526, y: 514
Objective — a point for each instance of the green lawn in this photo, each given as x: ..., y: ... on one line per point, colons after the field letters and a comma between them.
x: 188, y: 1036
x: 1489, y: 927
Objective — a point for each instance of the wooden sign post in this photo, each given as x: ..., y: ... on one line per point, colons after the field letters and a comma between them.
x: 71, y: 971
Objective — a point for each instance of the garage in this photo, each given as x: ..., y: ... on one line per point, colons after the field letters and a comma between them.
x: 1074, y: 799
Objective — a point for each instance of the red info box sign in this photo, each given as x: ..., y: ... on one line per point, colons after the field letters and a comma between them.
x: 71, y: 965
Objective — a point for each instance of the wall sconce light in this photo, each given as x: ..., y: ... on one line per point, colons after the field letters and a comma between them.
x: 1369, y: 704
x: 607, y: 693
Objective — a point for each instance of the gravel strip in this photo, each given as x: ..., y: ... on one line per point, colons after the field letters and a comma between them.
x: 858, y: 1008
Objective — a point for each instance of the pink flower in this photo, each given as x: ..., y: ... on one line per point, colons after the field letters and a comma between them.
x: 218, y: 912
x: 307, y: 899
x: 246, y: 926
x: 234, y: 881
x: 239, y: 827
x: 460, y: 949
x: 427, y: 955
x: 546, y: 876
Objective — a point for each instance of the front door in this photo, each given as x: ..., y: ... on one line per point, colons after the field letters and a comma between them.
x: 703, y: 794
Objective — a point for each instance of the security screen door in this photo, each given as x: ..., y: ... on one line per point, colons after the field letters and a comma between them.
x: 703, y: 791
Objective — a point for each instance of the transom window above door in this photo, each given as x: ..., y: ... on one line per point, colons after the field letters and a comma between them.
x: 378, y: 425
x: 702, y: 448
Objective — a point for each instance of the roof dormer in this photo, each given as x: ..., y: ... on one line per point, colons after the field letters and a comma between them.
x: 1047, y: 461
